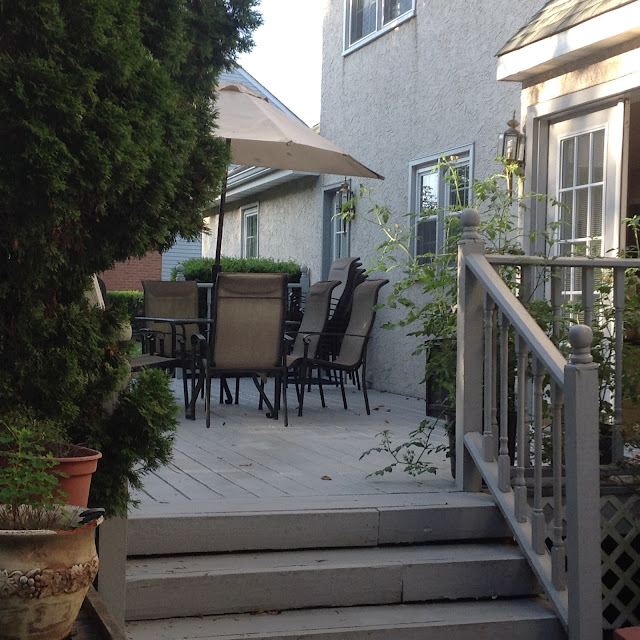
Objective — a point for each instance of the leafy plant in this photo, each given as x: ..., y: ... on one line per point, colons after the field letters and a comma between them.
x: 410, y: 455
x: 135, y: 439
x: 427, y: 289
x: 28, y: 497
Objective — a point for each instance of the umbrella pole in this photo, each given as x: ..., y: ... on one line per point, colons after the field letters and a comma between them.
x: 215, y: 270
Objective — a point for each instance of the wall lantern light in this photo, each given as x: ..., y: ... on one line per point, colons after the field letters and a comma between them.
x: 512, y: 142
x: 345, y: 201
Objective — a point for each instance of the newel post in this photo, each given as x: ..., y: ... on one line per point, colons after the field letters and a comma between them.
x: 470, y: 347
x: 583, y: 488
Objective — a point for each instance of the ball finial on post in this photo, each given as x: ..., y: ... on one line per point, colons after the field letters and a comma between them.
x: 470, y: 220
x: 580, y: 337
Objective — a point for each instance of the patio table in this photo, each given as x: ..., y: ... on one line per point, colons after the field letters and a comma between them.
x: 175, y: 324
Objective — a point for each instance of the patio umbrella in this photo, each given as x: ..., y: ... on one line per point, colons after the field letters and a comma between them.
x: 259, y: 134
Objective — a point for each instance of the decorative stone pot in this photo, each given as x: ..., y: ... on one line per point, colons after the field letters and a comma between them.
x: 44, y: 577
x: 77, y: 464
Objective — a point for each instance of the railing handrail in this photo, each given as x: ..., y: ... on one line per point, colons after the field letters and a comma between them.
x: 535, y: 338
x: 562, y: 261
x: 490, y: 376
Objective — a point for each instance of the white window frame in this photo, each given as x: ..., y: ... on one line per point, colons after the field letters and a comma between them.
x: 428, y: 165
x: 250, y: 211
x: 340, y: 230
x: 381, y: 26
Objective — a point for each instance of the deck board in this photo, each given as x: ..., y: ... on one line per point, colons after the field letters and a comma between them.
x: 247, y: 456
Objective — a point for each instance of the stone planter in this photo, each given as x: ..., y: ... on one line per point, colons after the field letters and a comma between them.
x: 44, y: 577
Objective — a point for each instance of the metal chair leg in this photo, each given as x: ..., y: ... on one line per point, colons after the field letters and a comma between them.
x: 344, y: 396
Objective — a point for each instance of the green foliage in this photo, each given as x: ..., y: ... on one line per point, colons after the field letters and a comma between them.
x: 107, y: 152
x: 408, y: 455
x: 135, y: 439
x: 27, y: 485
x: 199, y: 269
x: 131, y: 302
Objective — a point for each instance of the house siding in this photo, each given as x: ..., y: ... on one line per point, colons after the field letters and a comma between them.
x: 289, y: 223
x: 421, y: 89
x: 182, y: 250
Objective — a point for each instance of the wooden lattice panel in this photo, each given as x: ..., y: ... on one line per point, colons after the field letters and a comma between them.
x: 620, y: 560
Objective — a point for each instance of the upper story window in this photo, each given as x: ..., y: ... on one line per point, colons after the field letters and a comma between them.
x: 365, y: 19
x: 440, y: 188
x: 250, y: 232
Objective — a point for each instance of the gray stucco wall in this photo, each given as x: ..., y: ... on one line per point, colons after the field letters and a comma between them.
x: 290, y: 224
x: 421, y: 89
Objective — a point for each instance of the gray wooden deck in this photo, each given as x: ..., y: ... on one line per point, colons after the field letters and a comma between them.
x: 247, y: 457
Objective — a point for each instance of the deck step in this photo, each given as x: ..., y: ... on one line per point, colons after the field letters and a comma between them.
x: 315, y: 522
x: 524, y: 619
x: 234, y: 583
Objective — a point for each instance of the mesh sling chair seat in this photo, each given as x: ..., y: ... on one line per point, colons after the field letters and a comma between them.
x: 353, y: 350
x: 307, y: 339
x: 247, y: 339
x: 167, y: 345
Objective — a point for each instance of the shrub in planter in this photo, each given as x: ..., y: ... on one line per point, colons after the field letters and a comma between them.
x: 47, y: 550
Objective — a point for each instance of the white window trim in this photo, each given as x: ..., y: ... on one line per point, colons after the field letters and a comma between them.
x: 417, y: 165
x: 246, y: 211
x: 347, y: 48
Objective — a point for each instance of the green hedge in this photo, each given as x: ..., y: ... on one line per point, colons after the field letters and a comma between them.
x: 132, y: 301
x: 199, y: 269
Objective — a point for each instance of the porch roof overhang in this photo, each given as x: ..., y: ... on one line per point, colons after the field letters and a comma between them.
x: 548, y: 54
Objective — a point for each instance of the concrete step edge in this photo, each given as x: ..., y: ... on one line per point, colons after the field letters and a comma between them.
x: 450, y: 517
x: 526, y: 619
x: 324, y: 578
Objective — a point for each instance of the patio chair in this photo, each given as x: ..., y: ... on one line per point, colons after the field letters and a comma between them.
x: 350, y: 273
x: 167, y: 345
x: 313, y: 322
x: 353, y: 350
x: 248, y: 335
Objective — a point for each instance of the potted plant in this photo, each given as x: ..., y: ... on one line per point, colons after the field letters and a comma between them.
x: 48, y: 556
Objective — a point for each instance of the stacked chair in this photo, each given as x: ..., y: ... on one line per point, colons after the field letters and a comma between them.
x: 351, y: 356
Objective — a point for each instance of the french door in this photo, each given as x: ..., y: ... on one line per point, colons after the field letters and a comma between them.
x: 585, y: 169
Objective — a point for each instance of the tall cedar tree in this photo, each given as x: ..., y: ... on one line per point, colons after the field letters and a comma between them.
x: 106, y: 153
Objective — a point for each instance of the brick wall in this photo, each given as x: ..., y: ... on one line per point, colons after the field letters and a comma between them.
x: 128, y: 275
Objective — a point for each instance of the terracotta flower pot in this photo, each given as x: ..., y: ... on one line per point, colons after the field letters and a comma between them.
x: 44, y: 577
x: 78, y: 464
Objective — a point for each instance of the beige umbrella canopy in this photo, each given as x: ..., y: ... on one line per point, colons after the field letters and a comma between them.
x: 261, y: 135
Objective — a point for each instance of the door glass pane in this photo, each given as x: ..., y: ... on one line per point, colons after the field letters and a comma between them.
x: 582, y: 158
x: 596, y: 211
x: 581, y: 213
x: 566, y: 215
x: 567, y: 152
x: 598, y: 156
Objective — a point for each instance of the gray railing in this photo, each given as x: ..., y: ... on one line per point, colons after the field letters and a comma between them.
x: 547, y: 482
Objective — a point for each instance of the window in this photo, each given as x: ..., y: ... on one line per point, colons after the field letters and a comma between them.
x: 340, y: 230
x: 440, y: 189
x: 250, y: 232
x: 370, y: 17
x: 581, y: 189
